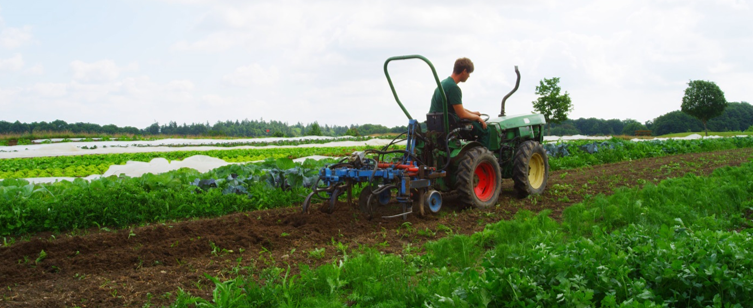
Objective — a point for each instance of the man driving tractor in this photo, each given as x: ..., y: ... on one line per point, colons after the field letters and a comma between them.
x: 460, y: 73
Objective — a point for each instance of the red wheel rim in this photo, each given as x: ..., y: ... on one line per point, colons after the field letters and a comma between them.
x: 484, y: 181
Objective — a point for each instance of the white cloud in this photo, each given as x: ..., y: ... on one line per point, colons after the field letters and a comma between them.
x: 215, y: 42
x: 37, y: 69
x: 103, y: 70
x: 14, y: 63
x: 15, y: 37
x: 50, y: 89
x: 180, y: 85
x: 253, y: 74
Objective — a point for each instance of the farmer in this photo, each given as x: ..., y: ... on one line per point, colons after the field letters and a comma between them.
x: 460, y: 73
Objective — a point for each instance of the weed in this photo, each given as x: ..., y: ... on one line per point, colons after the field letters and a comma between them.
x: 217, y: 251
x: 426, y: 232
x: 447, y: 230
x: 407, y: 226
x: 317, y: 253
x: 342, y: 248
x: 42, y: 256
x: 7, y: 243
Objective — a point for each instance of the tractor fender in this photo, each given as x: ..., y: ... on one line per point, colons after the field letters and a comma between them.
x: 454, y: 160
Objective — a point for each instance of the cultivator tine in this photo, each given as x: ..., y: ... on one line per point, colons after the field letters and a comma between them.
x: 332, y: 201
x: 307, y: 202
x: 350, y: 193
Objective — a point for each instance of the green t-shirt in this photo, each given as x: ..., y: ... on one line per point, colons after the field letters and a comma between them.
x: 454, y: 97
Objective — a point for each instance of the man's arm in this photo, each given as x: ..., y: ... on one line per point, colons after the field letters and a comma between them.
x: 473, y: 112
x: 465, y: 114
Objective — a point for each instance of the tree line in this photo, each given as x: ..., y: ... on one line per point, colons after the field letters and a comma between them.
x: 736, y: 117
x: 244, y: 128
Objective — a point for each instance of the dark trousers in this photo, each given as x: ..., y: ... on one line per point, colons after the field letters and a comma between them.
x: 481, y: 133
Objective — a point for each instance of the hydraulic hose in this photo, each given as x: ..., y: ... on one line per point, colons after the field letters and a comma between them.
x: 447, y: 142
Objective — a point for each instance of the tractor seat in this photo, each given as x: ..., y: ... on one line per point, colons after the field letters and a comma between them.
x: 435, y: 123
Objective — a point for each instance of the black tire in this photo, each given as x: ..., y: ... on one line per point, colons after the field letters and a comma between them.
x: 478, y: 179
x: 531, y: 169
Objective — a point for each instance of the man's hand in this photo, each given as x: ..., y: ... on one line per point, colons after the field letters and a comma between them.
x: 483, y: 124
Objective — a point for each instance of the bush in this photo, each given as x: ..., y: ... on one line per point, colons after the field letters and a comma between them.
x: 631, y: 127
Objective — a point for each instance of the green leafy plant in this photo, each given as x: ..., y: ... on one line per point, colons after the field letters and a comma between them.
x: 317, y: 253
x: 42, y: 256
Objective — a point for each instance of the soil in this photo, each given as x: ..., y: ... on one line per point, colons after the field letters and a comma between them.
x: 147, y: 264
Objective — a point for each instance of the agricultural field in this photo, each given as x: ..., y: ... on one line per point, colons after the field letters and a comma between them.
x: 620, y: 224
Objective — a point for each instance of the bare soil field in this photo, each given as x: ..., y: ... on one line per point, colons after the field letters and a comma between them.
x: 147, y: 264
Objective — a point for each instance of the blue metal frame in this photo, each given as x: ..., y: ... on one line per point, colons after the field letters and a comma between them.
x: 389, y: 175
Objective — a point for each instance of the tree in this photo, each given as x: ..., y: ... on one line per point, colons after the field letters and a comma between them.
x: 674, y: 122
x: 352, y: 132
x: 632, y: 126
x: 565, y: 129
x: 736, y: 117
x: 703, y: 100
x: 553, y: 105
x: 315, y: 130
x: 153, y: 129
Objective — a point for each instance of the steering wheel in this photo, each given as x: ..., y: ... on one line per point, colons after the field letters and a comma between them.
x: 484, y: 115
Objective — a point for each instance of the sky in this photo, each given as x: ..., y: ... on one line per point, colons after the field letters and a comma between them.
x: 136, y: 62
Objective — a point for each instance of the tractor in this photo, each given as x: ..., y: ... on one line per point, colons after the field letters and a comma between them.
x: 441, y: 157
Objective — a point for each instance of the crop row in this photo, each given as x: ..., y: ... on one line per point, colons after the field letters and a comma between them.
x: 180, y: 194
x: 85, y: 165
x: 587, y: 153
x: 578, y: 154
x: 684, y: 242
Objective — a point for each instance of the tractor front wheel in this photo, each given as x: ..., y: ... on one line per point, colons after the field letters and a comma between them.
x: 479, y: 179
x: 531, y: 169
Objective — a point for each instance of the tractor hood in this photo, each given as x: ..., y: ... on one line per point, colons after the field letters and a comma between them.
x: 519, y: 120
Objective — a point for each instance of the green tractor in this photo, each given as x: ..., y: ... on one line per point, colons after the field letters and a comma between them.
x: 474, y: 171
x: 442, y: 156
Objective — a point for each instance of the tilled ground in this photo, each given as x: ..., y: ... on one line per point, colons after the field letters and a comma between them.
x: 130, y: 267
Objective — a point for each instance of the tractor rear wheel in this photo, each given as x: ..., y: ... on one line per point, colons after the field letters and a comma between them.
x: 531, y: 169
x: 478, y: 178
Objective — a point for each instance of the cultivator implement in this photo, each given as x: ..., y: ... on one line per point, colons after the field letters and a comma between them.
x: 406, y: 178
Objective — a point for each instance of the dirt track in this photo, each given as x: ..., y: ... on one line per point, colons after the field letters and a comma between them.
x: 96, y: 268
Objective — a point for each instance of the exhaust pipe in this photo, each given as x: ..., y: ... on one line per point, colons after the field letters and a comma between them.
x: 517, y: 83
